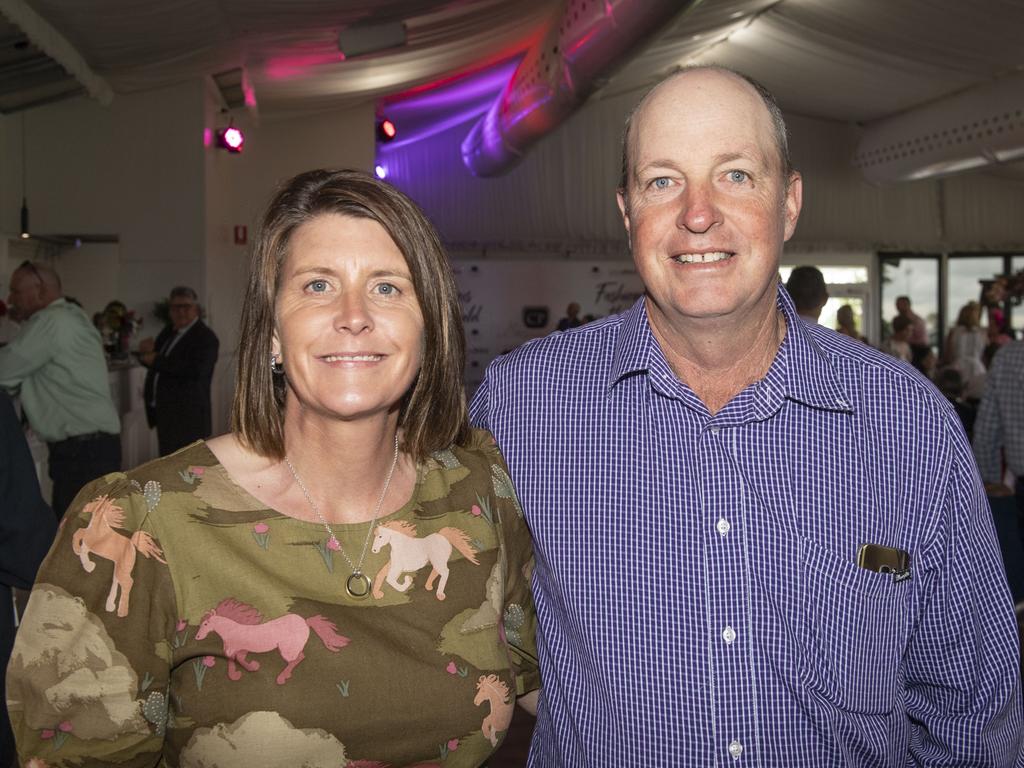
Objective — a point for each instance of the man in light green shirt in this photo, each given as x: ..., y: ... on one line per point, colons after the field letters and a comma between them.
x: 56, y: 365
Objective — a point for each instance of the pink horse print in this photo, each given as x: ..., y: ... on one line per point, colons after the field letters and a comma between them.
x: 244, y: 631
x: 100, y: 538
x: 409, y: 554
x: 492, y: 689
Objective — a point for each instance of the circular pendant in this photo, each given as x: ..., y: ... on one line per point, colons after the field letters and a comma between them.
x: 357, y: 585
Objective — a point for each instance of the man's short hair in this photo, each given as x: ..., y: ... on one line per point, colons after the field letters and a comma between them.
x: 807, y: 287
x: 433, y: 415
x: 184, y: 292
x: 779, y: 131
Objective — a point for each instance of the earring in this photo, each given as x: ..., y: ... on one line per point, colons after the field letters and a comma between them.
x: 276, y: 367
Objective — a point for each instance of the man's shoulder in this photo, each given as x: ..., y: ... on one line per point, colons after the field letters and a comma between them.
x: 1010, y: 354
x: 869, y: 373
x: 585, y: 350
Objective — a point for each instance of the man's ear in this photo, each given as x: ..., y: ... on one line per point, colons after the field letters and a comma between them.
x: 620, y: 198
x: 794, y: 202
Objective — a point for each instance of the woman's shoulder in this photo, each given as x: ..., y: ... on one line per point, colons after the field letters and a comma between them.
x: 157, y: 480
x: 462, y: 474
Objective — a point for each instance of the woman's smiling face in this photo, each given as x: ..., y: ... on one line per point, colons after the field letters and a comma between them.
x: 349, y: 329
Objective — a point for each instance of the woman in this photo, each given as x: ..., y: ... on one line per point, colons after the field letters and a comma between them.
x: 846, y: 323
x: 966, y: 342
x: 271, y: 602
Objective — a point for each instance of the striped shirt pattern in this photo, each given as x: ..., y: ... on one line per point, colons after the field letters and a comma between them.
x: 1000, y: 421
x: 698, y: 597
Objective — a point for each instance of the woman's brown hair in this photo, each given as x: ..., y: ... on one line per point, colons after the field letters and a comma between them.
x: 433, y: 413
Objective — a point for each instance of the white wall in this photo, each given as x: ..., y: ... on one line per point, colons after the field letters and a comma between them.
x: 141, y: 169
x: 133, y: 169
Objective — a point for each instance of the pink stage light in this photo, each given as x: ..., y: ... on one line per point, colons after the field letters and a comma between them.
x: 231, y: 139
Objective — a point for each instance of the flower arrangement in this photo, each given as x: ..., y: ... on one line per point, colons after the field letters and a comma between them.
x: 117, y: 324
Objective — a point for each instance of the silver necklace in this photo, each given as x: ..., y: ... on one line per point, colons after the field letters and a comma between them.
x: 357, y: 585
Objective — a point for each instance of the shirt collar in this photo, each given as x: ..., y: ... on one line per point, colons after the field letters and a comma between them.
x: 186, y: 328
x: 800, y: 372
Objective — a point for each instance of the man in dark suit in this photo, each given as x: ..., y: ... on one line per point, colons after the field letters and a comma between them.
x: 27, y: 527
x: 180, y: 363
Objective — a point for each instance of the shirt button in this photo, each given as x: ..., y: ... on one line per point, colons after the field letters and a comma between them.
x: 723, y: 526
x: 735, y: 749
x: 729, y: 634
x: 715, y: 430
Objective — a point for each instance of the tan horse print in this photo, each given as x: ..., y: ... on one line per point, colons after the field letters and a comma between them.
x: 409, y: 554
x: 492, y: 689
x: 244, y: 631
x: 100, y: 538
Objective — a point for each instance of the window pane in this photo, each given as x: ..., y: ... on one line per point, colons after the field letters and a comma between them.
x: 916, y: 277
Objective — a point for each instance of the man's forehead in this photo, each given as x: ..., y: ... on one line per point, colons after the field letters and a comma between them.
x: 709, y: 113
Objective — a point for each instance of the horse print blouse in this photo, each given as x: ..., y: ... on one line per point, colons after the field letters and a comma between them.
x: 178, y: 622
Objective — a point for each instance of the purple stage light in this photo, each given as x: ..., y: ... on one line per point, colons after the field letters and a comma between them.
x: 381, y: 171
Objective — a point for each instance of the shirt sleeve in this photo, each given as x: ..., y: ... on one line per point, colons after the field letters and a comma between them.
x: 962, y: 665
x: 479, y: 407
x: 89, y: 674
x: 519, y: 619
x: 988, y: 427
x: 29, y: 351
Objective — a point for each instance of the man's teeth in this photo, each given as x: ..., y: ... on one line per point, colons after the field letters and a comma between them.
x: 702, y: 258
x: 352, y: 358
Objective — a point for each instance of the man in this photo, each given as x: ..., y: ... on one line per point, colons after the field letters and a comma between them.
x: 806, y: 286
x: 180, y: 362
x: 26, y: 531
x: 999, y: 434
x: 57, y: 363
x: 571, y: 319
x: 918, y: 329
x: 703, y: 474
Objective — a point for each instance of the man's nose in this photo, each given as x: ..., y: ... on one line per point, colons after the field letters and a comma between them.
x: 699, y: 211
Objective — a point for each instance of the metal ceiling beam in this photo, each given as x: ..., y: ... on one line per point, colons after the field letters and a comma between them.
x: 56, y: 46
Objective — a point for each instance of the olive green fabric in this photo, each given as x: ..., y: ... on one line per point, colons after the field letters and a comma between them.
x: 177, y: 621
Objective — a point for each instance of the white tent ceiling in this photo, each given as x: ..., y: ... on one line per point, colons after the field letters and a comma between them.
x: 859, y: 61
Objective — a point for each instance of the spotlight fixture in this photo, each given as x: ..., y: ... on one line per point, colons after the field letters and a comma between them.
x: 386, y: 131
x: 381, y: 171
x: 232, y: 139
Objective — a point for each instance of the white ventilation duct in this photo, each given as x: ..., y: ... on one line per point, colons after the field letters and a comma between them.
x: 978, y: 127
x: 558, y: 73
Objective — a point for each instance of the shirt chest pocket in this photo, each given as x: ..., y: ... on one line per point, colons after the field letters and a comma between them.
x: 855, y: 630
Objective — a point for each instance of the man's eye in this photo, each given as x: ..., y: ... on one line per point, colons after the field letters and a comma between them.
x: 738, y: 176
x: 660, y: 183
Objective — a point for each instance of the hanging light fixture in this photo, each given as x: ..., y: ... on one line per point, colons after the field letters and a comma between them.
x: 25, y: 235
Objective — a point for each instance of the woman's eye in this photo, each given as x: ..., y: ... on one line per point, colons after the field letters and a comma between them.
x: 317, y: 286
x: 738, y: 176
x: 387, y: 289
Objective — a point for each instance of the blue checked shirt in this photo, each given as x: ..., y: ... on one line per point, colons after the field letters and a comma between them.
x: 696, y: 585
x: 1000, y: 422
